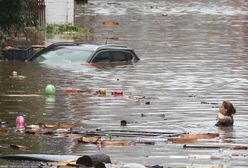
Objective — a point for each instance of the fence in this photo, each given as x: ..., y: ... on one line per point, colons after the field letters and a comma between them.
x: 37, y: 10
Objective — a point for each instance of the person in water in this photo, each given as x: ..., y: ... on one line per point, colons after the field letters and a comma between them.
x: 225, y: 116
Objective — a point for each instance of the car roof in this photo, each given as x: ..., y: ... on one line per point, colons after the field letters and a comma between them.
x: 82, y: 46
x: 90, y: 47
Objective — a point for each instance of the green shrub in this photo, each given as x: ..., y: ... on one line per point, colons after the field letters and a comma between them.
x: 61, y: 28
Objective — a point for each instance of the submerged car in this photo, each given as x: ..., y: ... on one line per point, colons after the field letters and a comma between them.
x: 84, y: 54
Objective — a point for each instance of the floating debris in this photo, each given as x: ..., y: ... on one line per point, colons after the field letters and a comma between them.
x: 192, y: 95
x: 57, y: 125
x: 133, y: 165
x: 144, y: 143
x: 204, y: 102
x: 110, y: 23
x: 102, y: 92
x: 240, y: 148
x: 50, y: 89
x: 90, y: 139
x: 151, y: 114
x: 164, y: 14
x: 111, y: 143
x: 71, y: 90
x: 2, y: 131
x: 22, y: 95
x: 18, y: 147
x: 113, y: 38
x: 15, y: 76
x: 123, y: 123
x: 64, y: 164
x: 117, y: 93
x: 20, y: 122
x: 191, y: 138
x: 42, y: 128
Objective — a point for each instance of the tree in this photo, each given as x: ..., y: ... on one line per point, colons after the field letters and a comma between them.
x: 12, y: 15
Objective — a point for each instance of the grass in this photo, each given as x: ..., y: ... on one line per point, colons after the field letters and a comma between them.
x: 66, y: 28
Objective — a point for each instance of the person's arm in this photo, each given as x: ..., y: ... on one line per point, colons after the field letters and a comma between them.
x: 224, y: 119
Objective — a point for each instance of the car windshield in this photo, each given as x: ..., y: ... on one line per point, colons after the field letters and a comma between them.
x: 64, y: 54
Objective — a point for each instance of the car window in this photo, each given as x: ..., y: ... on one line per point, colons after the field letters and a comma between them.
x: 64, y: 55
x: 102, y: 57
x: 120, y: 56
x: 112, y: 56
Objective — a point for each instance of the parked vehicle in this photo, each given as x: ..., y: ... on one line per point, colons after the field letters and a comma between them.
x: 84, y: 54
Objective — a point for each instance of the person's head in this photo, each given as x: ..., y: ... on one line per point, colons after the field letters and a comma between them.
x: 227, y: 108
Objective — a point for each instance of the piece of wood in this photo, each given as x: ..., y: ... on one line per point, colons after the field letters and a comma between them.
x: 40, y: 157
x: 232, y: 146
x: 3, y: 130
x: 191, y: 138
x: 181, y: 140
x: 63, y: 163
x: 201, y: 136
x: 71, y: 90
x: 130, y: 133
x: 111, y: 143
x: 23, y: 95
x: 90, y: 139
x: 110, y: 23
x: 203, y: 146
x: 227, y: 144
x: 144, y: 143
x: 57, y: 125
x: 18, y: 147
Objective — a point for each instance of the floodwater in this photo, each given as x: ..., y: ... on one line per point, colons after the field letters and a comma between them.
x: 193, y: 56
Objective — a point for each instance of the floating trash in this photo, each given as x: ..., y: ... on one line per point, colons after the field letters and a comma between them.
x: 90, y: 139
x: 50, y: 90
x: 102, y: 91
x: 117, y: 93
x: 71, y: 90
x: 3, y: 131
x: 123, y: 123
x: 16, y: 76
x: 18, y: 147
x: 110, y: 24
x: 133, y: 165
x: 20, y: 122
x: 221, y: 155
x: 192, y: 138
x: 112, y: 143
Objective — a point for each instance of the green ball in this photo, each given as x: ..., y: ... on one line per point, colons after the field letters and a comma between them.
x: 50, y: 90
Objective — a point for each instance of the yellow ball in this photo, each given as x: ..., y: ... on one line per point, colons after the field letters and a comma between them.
x: 102, y: 91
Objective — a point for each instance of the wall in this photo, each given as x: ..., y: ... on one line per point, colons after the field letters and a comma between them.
x: 59, y: 11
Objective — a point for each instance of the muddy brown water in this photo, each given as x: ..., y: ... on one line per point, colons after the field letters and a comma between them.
x: 191, y: 52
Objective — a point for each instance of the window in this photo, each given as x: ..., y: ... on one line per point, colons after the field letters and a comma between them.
x: 62, y: 55
x: 113, y: 56
x: 102, y: 57
x: 117, y: 56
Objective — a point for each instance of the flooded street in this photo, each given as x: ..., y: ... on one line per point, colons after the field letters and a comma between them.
x: 194, y: 55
